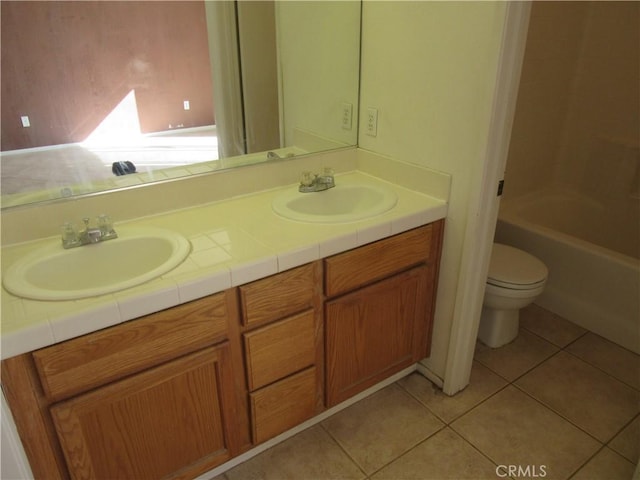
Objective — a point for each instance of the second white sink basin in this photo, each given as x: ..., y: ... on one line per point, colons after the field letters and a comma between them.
x: 136, y: 256
x: 347, y: 202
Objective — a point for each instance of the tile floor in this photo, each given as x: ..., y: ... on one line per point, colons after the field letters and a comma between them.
x: 558, y: 402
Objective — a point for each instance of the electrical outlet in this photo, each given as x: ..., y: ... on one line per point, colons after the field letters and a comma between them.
x: 186, y: 104
x: 25, y: 121
x: 347, y: 110
x: 372, y: 122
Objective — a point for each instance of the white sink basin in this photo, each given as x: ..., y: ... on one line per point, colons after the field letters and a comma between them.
x: 343, y: 203
x: 135, y: 257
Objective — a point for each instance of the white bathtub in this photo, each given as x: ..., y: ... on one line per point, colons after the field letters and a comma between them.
x: 594, y: 276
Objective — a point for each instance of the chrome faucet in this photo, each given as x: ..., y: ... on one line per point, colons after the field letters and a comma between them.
x: 317, y: 183
x: 273, y: 156
x: 101, y: 232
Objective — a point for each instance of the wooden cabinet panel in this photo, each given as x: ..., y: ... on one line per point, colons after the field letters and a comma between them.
x: 280, y: 295
x: 168, y: 421
x: 280, y: 349
x: 283, y: 405
x: 350, y: 270
x: 375, y: 332
x: 21, y: 387
x: 96, y: 359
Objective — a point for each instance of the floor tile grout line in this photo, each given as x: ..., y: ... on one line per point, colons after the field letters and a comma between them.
x: 460, y: 415
x: 579, y: 337
x: 559, y: 414
x: 420, y: 404
x: 547, y: 407
x: 476, y: 448
x: 343, y: 448
x: 530, y: 369
x: 540, y: 402
x: 626, y: 425
x: 609, y: 374
x: 443, y: 427
x: 582, y: 465
x: 532, y: 332
x: 448, y: 424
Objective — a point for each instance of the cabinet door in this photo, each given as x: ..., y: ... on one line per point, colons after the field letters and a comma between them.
x: 375, y: 332
x: 171, y: 421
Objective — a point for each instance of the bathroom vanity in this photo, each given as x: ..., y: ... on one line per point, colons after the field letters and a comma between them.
x: 181, y: 391
x: 178, y: 391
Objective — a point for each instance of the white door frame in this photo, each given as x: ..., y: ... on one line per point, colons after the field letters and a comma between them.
x: 484, y: 203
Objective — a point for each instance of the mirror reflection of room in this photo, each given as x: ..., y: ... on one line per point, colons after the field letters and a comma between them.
x: 95, y: 83
x: 102, y: 95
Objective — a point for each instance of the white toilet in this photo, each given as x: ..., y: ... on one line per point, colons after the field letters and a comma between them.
x: 515, y: 280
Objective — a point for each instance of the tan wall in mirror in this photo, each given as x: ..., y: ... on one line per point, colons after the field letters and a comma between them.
x: 67, y: 65
x: 257, y: 27
x: 319, y: 60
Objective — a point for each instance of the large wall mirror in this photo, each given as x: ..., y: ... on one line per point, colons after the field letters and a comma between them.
x: 103, y: 95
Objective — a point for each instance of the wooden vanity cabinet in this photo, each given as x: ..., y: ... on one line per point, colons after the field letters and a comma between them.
x: 152, y: 398
x: 283, y: 348
x: 378, y: 314
x: 178, y: 392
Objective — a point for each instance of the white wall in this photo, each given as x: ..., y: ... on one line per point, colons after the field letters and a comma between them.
x: 430, y: 70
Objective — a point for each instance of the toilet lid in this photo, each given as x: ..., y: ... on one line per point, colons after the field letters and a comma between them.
x: 513, y: 268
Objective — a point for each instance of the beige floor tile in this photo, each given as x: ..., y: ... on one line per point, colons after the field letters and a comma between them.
x: 613, y: 359
x: 627, y: 442
x: 443, y: 456
x: 483, y: 384
x: 593, y: 400
x: 549, y: 326
x: 606, y: 465
x: 311, y: 454
x: 511, y: 428
x: 382, y: 427
x: 516, y: 358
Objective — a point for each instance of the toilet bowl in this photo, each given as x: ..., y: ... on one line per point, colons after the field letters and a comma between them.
x: 515, y: 279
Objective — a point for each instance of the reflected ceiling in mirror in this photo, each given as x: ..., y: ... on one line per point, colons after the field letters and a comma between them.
x: 104, y: 95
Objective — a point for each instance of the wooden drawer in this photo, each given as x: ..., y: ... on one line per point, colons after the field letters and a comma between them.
x: 280, y: 349
x: 350, y: 270
x: 283, y: 405
x: 98, y: 358
x: 280, y: 295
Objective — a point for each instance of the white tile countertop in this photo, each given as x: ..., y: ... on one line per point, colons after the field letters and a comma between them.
x: 233, y: 242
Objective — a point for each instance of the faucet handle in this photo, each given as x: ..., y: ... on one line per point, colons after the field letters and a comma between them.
x: 327, y: 176
x: 104, y: 223
x: 106, y: 226
x: 70, y: 236
x: 306, y: 180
